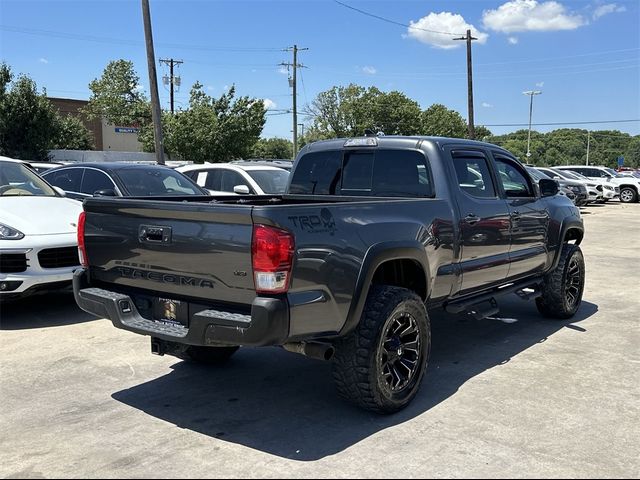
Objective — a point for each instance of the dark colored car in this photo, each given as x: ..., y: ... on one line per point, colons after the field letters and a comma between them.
x: 372, y: 233
x: 116, y: 179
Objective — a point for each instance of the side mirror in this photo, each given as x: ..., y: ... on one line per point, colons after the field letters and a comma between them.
x: 109, y: 192
x: 60, y: 191
x: 241, y: 190
x: 548, y: 187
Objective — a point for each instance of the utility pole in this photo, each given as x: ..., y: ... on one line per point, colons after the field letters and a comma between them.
x: 588, y: 144
x: 294, y: 84
x: 153, y: 84
x: 468, y: 38
x: 172, y: 80
x: 531, y: 94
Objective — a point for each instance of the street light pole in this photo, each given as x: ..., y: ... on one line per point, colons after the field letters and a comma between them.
x: 531, y: 94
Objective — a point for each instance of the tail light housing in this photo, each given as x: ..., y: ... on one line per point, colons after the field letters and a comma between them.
x: 272, y: 258
x: 82, y: 249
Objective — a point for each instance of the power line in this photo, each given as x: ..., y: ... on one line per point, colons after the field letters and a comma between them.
x: 393, y: 22
x: 559, y: 123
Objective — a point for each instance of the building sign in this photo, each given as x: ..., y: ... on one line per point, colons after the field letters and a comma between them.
x: 127, y: 130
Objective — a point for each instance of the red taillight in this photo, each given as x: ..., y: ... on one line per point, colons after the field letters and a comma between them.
x: 272, y: 255
x: 82, y: 250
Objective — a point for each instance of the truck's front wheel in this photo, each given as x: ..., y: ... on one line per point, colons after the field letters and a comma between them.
x: 563, y: 287
x: 379, y: 366
x: 207, y: 355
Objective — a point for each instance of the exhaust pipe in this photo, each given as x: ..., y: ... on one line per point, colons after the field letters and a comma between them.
x: 316, y: 350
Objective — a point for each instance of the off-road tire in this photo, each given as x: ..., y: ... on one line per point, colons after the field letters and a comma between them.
x: 563, y: 287
x: 359, y: 362
x: 207, y: 355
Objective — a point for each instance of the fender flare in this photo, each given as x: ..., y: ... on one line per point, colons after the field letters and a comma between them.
x: 376, y: 255
x: 566, y: 226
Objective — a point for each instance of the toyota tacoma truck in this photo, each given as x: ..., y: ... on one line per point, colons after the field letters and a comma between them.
x: 371, y: 234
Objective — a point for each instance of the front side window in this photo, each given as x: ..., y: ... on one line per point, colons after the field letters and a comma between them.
x: 270, y: 181
x: 231, y: 179
x: 513, y: 180
x: 94, y: 180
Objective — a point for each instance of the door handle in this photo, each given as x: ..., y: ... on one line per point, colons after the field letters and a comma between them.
x: 471, y: 219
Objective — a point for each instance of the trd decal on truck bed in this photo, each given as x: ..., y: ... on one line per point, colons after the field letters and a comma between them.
x: 323, y: 223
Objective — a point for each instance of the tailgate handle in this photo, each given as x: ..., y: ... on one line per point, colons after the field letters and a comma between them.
x: 153, y: 234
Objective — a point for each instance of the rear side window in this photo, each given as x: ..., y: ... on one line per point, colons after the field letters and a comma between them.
x: 382, y: 173
x: 68, y: 179
x: 474, y: 176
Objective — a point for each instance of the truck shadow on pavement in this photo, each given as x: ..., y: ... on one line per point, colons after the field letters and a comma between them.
x: 285, y: 405
x: 54, y: 309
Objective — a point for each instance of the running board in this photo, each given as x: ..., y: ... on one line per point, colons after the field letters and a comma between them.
x: 473, y: 304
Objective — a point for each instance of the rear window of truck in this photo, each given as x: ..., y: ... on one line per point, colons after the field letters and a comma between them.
x: 381, y: 173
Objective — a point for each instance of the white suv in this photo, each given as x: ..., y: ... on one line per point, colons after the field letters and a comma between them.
x: 233, y: 179
x: 629, y: 186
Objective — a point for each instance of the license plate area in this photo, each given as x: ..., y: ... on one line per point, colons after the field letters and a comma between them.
x: 170, y: 311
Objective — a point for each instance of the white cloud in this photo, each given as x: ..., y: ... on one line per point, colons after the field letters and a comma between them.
x: 43, y: 60
x: 269, y: 104
x: 211, y: 88
x: 226, y: 87
x: 531, y: 15
x: 369, y: 70
x: 603, y: 10
x: 513, y: 40
x: 139, y: 88
x: 443, y: 22
x: 487, y: 105
x: 540, y: 84
x: 283, y: 70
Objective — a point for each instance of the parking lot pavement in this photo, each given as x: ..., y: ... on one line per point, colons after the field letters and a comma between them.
x: 515, y: 396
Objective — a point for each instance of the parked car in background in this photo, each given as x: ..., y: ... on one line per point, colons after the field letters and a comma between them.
x: 609, y: 190
x: 629, y: 186
x: 574, y: 190
x: 594, y: 195
x: 238, y: 179
x: 266, y: 162
x: 41, y: 167
x: 117, y: 179
x: 38, y: 243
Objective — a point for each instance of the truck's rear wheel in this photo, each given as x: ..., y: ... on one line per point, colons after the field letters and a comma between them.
x: 207, y: 355
x: 379, y: 366
x: 563, y: 287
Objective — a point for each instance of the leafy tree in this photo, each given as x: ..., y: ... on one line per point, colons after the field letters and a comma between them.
x: 482, y: 133
x: 349, y: 111
x: 210, y: 130
x: 632, y: 153
x: 116, y: 96
x: 73, y: 135
x: 29, y: 123
x: 439, y: 121
x: 272, y: 148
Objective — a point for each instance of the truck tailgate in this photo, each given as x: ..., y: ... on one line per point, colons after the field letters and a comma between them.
x: 172, y: 248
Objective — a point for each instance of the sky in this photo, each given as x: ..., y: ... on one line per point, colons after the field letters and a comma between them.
x: 584, y: 56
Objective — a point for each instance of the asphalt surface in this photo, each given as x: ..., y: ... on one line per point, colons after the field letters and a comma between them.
x: 516, y: 396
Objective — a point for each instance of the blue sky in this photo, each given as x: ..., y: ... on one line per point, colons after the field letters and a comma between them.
x: 583, y: 55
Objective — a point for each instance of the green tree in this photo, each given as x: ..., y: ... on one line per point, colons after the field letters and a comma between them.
x: 210, y: 130
x: 632, y: 153
x: 116, y: 96
x: 349, y: 111
x: 482, y: 133
x: 73, y: 135
x: 272, y: 148
x: 439, y: 121
x: 29, y: 124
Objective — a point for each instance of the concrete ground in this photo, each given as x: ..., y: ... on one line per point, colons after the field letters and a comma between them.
x: 502, y: 398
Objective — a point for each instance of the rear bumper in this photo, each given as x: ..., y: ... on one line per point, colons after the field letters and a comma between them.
x: 268, y: 323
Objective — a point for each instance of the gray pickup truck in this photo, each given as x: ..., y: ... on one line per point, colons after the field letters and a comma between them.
x: 372, y: 233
